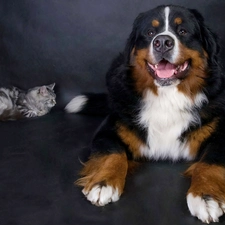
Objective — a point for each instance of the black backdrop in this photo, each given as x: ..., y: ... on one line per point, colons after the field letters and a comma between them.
x: 72, y: 42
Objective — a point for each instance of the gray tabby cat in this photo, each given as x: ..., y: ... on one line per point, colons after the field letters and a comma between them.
x: 16, y: 104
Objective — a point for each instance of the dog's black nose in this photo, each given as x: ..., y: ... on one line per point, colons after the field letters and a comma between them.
x: 163, y: 43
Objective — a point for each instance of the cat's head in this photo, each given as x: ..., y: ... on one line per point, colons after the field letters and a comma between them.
x: 44, y: 95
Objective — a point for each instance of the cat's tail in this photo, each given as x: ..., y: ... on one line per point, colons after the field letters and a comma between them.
x: 89, y: 104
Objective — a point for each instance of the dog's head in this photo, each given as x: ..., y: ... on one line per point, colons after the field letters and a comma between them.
x: 171, y: 46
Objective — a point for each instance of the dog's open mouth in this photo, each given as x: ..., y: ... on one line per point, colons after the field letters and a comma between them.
x: 166, y: 71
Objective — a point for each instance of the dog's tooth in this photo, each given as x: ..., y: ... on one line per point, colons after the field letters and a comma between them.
x: 156, y: 65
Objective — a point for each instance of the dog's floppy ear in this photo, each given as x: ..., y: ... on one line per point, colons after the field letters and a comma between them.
x: 131, y: 41
x: 208, y: 38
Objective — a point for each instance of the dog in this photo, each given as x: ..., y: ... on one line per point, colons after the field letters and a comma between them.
x: 165, y: 100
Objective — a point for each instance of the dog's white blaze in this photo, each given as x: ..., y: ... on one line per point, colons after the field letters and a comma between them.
x: 167, y: 13
x: 167, y: 31
x: 206, y: 210
x: 166, y: 116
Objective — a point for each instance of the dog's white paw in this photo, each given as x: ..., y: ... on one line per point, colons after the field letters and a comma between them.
x: 102, y: 195
x: 206, y: 209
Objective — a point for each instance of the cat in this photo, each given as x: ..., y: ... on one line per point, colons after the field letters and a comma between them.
x: 17, y: 104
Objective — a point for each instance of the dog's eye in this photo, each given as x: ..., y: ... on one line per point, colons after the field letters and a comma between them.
x: 151, y: 33
x: 182, y: 32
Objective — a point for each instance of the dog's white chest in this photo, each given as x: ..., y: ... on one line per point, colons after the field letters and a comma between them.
x: 166, y: 116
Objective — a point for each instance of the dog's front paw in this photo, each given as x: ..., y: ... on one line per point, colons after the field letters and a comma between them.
x: 102, y: 195
x: 206, y: 195
x: 103, y: 178
x: 205, y: 208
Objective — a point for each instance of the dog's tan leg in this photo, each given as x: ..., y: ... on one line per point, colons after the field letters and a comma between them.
x: 103, y: 178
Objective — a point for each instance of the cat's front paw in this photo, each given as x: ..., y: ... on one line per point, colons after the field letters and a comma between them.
x: 41, y: 113
x: 205, y: 208
x: 30, y: 113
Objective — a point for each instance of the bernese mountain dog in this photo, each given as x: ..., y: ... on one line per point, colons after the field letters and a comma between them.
x: 166, y: 100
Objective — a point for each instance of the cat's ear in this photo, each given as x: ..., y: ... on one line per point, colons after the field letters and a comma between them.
x: 43, y: 90
x: 51, y: 86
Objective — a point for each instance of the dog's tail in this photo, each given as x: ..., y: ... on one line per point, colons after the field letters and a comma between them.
x: 89, y: 104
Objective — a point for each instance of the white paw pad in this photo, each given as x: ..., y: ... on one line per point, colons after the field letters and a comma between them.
x: 207, y: 210
x: 102, y: 195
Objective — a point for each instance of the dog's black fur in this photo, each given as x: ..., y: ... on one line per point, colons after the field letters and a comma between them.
x: 127, y: 81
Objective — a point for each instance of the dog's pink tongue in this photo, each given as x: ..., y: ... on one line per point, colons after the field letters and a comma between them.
x: 165, y: 69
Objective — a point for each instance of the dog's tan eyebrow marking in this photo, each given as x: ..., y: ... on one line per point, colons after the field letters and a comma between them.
x: 178, y: 21
x: 155, y: 23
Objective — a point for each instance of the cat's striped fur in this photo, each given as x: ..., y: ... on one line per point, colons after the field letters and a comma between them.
x: 16, y: 104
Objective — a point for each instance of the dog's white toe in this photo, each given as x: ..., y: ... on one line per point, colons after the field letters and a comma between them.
x: 206, y: 209
x: 102, y: 195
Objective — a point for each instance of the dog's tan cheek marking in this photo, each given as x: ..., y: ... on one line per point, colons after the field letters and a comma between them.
x: 197, y: 137
x: 155, y: 23
x: 143, y: 80
x: 205, y: 54
x: 110, y: 169
x: 194, y: 82
x: 206, y: 180
x: 178, y: 20
x: 130, y: 139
